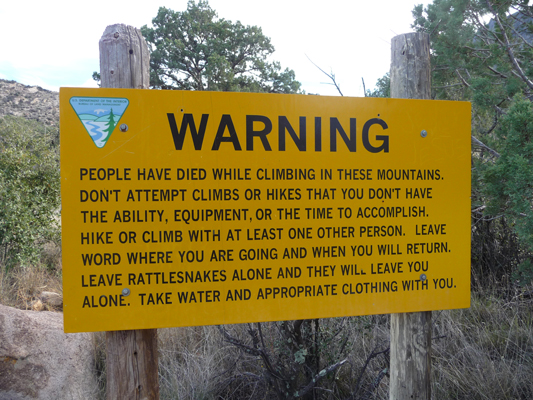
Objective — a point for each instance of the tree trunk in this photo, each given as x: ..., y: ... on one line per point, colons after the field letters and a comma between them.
x: 410, y: 364
x: 131, y: 356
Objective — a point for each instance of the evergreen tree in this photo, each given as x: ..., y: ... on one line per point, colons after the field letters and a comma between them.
x: 196, y: 50
x: 382, y: 87
x: 110, y: 125
x: 482, y: 51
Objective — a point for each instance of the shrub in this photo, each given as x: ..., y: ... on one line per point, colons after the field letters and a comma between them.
x: 508, y: 181
x: 29, y: 189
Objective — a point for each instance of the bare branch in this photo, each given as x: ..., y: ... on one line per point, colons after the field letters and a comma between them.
x: 319, y: 377
x: 500, y: 110
x: 372, y: 355
x: 447, y: 86
x: 518, y: 33
x: 479, y: 209
x: 436, y: 26
x: 261, y: 334
x: 250, y: 350
x: 493, y: 125
x: 488, y: 36
x: 471, y: 48
x: 237, y: 343
x: 330, y: 76
x: 496, y: 72
x: 479, y: 143
x: 507, y: 44
x: 462, y: 79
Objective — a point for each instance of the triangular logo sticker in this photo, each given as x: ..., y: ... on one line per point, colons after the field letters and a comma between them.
x: 99, y: 115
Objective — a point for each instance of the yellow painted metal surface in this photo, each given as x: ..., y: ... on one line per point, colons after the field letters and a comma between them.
x: 195, y: 208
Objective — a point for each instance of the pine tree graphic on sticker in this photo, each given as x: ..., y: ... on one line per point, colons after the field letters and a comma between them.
x: 110, y: 125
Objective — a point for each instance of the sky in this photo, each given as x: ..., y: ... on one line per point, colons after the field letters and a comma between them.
x: 54, y: 43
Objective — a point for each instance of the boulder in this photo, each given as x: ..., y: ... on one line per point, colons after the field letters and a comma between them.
x: 39, y: 361
x: 52, y: 299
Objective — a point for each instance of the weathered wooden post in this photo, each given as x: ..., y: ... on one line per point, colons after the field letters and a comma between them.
x: 410, y: 332
x: 131, y: 360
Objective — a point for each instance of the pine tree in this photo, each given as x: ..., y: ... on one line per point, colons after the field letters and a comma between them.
x: 196, y: 50
x: 481, y: 52
x: 110, y: 125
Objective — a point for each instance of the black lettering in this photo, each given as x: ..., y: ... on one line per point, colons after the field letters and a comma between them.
x: 300, y: 141
x: 187, y: 121
x: 334, y: 126
x: 226, y: 122
x: 251, y: 133
x: 385, y: 139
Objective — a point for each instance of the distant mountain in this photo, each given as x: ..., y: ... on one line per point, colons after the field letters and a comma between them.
x: 88, y: 117
x: 31, y: 102
x: 522, y: 25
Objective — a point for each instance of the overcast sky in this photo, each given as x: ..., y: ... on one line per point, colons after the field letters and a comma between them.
x: 54, y: 43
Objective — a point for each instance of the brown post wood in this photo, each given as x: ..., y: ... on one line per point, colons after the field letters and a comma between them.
x: 410, y: 364
x: 131, y: 356
x: 124, y: 58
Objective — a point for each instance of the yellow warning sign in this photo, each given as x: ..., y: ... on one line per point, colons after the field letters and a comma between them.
x: 193, y: 208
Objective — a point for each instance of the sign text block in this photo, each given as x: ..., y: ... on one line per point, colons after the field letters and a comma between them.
x: 195, y: 208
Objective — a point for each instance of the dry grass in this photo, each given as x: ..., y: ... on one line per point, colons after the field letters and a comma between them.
x: 20, y: 287
x: 98, y: 339
x: 192, y: 362
x: 197, y: 363
x: 485, y: 352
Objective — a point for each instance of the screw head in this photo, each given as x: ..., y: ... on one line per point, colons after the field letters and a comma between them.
x: 423, y: 277
x: 125, y: 292
x: 123, y: 128
x: 424, y: 133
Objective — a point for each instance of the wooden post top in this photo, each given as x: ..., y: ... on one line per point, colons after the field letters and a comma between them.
x: 124, y: 58
x: 410, y: 72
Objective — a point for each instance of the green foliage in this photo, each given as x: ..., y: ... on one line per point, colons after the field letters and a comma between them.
x: 29, y: 189
x: 474, y: 60
x: 382, y: 88
x: 463, y: 48
x: 196, y: 50
x: 481, y: 51
x: 509, y: 180
x: 524, y: 272
x: 96, y: 77
x: 110, y: 125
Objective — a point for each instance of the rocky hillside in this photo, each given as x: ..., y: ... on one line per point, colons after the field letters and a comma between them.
x: 31, y: 102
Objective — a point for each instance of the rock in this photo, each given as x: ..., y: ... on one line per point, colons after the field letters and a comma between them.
x: 31, y: 102
x: 39, y: 361
x: 52, y: 299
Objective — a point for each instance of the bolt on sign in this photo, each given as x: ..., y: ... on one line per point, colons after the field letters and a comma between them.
x: 194, y: 208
